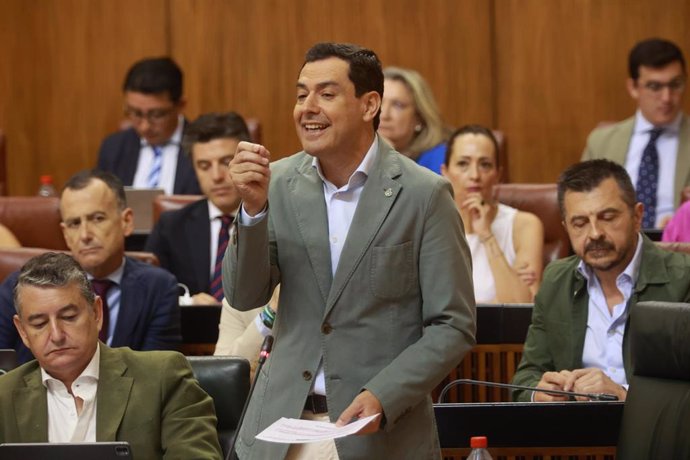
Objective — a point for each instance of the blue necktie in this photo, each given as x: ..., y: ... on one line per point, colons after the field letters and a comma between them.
x: 155, y: 173
x: 223, y: 238
x: 648, y: 179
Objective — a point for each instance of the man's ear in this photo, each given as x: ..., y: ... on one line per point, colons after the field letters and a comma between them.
x: 20, y: 328
x: 371, y: 102
x: 127, y: 221
x: 631, y: 85
x: 98, y: 312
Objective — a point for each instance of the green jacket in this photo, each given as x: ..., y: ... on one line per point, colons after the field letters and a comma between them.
x: 556, y: 337
x: 149, y: 399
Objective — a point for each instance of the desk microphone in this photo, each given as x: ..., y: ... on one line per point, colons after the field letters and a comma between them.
x: 265, y: 352
x: 590, y: 396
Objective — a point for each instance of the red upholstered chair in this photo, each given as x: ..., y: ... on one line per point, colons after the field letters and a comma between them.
x: 164, y: 203
x: 34, y: 220
x: 541, y: 200
x: 12, y: 259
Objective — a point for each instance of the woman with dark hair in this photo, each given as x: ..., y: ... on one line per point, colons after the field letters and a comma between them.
x: 506, y: 244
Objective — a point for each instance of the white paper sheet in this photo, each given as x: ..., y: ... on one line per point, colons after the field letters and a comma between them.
x: 296, y: 431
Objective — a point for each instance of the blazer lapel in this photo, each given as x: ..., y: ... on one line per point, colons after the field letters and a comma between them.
x: 130, y: 159
x: 113, y: 394
x: 379, y: 193
x: 578, y: 325
x: 200, y: 247
x: 129, y: 308
x: 682, y: 160
x: 309, y: 208
x: 621, y: 141
x: 31, y: 409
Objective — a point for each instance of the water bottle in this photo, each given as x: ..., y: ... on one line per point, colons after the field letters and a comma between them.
x: 47, y: 188
x: 479, y: 445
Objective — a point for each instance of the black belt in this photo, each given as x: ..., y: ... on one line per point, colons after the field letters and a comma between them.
x: 316, y: 403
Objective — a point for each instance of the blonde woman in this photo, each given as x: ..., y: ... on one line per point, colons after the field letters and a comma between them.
x: 410, y: 119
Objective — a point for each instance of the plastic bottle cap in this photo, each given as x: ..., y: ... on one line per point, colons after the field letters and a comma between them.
x: 46, y: 179
x: 478, y: 442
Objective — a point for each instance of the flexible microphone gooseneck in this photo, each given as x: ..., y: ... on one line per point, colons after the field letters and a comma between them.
x: 265, y: 352
x: 591, y: 396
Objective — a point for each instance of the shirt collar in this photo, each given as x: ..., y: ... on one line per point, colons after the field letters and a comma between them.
x: 116, y: 276
x: 214, y: 211
x: 642, y: 125
x: 631, y: 271
x: 91, y: 370
x: 175, y: 139
x: 360, y: 174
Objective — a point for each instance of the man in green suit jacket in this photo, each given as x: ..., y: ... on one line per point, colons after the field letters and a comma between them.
x: 376, y: 298
x: 80, y: 390
x: 657, y: 84
x: 577, y: 341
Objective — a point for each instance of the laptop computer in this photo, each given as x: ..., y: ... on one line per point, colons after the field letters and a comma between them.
x: 66, y: 451
x: 8, y: 360
x: 141, y: 202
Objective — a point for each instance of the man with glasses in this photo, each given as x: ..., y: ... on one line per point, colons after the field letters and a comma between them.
x: 654, y: 144
x: 148, y: 154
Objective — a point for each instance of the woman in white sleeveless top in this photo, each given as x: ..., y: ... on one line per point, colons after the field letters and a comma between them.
x: 506, y: 244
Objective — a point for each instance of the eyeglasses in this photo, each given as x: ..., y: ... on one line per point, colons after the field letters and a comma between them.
x: 675, y: 85
x: 152, y: 116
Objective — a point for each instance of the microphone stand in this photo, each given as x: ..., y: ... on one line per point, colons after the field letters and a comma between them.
x: 591, y: 396
x: 265, y: 352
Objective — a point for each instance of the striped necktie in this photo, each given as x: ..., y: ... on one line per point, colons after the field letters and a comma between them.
x: 648, y: 179
x: 155, y: 172
x: 223, y: 238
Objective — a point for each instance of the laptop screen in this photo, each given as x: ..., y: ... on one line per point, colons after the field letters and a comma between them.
x: 66, y: 451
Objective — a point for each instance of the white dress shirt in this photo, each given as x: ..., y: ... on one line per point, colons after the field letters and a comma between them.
x: 341, y: 204
x: 114, y: 295
x: 171, y: 151
x: 64, y: 424
x: 604, y: 335
x: 667, y: 148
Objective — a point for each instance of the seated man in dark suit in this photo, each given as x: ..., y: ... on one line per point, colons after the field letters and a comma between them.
x: 140, y: 300
x: 148, y: 155
x: 191, y: 242
x: 81, y: 390
x: 576, y: 341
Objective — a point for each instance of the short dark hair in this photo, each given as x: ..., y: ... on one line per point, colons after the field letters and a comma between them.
x: 210, y: 126
x: 471, y: 129
x: 155, y: 76
x: 654, y: 53
x: 82, y: 179
x: 587, y: 175
x: 365, y: 72
x: 53, y: 270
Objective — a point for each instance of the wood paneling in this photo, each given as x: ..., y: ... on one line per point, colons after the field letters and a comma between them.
x: 63, y: 63
x: 544, y: 72
x: 561, y: 68
x: 246, y: 56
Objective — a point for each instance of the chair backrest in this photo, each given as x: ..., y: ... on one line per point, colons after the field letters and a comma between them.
x: 656, y: 416
x: 34, y: 220
x: 542, y: 200
x: 3, y: 164
x: 226, y: 380
x: 12, y: 259
x: 164, y: 203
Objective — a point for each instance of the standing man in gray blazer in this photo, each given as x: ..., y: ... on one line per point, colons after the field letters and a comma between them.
x: 654, y: 144
x: 376, y: 300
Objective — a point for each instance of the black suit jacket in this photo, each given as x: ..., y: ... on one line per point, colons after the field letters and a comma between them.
x: 149, y: 317
x: 182, y: 241
x: 119, y: 155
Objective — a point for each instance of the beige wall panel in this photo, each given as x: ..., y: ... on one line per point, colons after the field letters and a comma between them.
x: 63, y: 65
x: 561, y: 68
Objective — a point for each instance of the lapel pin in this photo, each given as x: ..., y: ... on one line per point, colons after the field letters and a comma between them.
x: 388, y: 192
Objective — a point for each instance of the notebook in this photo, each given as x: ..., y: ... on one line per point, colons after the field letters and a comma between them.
x: 141, y: 202
x: 66, y: 451
x: 8, y: 360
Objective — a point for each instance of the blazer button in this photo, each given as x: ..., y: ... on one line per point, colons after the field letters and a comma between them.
x: 326, y: 328
x: 306, y: 375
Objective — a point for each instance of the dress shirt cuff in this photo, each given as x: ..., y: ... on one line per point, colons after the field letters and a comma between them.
x: 263, y: 330
x: 247, y: 221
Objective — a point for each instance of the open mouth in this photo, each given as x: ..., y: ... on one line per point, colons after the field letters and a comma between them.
x: 314, y: 127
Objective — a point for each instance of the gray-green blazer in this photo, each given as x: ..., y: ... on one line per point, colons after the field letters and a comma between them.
x: 149, y: 399
x: 612, y: 142
x: 556, y: 337
x: 395, y: 318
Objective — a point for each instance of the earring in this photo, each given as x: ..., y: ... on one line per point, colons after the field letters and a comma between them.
x: 418, y: 128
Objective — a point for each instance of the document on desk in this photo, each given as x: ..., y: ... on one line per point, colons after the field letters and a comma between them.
x: 296, y: 431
